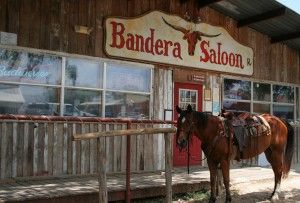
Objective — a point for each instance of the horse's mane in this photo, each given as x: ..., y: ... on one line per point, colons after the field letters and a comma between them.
x: 202, y: 118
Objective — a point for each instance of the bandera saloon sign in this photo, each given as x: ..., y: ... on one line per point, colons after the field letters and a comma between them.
x: 169, y: 39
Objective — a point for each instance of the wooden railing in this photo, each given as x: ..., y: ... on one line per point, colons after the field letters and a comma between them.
x: 168, y: 132
x: 43, y: 146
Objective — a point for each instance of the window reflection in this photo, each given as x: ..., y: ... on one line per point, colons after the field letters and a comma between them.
x: 126, y: 105
x: 120, y: 77
x: 261, y: 92
x: 237, y: 89
x: 261, y: 108
x: 282, y: 111
x: 83, y: 73
x: 236, y: 106
x: 30, y: 100
x: 82, y: 103
x: 283, y: 94
x: 17, y: 66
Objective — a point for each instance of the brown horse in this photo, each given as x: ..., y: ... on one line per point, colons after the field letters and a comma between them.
x: 219, y: 149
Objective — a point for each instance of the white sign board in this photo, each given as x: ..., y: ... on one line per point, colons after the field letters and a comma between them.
x: 169, y: 39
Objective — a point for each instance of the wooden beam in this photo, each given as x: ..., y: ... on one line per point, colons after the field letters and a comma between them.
x: 142, y: 131
x: 261, y: 17
x: 285, y: 37
x: 203, y: 3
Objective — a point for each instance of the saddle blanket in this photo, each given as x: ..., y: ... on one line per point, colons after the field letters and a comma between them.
x: 246, y: 126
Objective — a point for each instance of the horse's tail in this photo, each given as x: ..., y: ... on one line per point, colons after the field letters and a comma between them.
x: 289, y: 149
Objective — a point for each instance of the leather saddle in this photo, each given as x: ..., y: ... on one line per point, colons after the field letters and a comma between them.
x: 245, y: 126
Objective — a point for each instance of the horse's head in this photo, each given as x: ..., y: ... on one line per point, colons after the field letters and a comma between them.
x: 184, y: 126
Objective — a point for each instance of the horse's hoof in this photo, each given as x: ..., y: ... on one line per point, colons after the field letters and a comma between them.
x: 274, y: 196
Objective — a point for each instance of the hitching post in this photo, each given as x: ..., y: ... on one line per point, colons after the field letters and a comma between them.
x: 168, y: 166
x: 102, y: 173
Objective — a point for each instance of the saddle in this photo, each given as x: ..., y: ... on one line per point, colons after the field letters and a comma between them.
x: 245, y: 126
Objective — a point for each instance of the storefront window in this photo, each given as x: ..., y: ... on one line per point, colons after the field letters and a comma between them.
x: 83, y: 73
x: 237, y: 89
x: 126, y: 105
x: 18, y: 66
x: 236, y: 106
x: 31, y: 83
x: 237, y: 98
x: 82, y: 103
x: 261, y: 92
x: 283, y: 94
x: 261, y: 108
x: 30, y: 100
x: 282, y: 111
x: 120, y: 77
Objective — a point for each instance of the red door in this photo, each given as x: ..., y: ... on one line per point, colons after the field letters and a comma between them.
x: 185, y: 94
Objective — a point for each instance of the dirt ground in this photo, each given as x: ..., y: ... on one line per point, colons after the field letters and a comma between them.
x: 259, y: 191
x: 256, y: 185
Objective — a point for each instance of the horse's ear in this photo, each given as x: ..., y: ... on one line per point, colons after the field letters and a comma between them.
x: 189, y: 108
x: 178, y: 109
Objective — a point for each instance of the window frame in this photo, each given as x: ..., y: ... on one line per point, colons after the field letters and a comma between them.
x: 102, y: 61
x: 295, y: 87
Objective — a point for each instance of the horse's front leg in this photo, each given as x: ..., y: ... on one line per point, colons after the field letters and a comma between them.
x: 225, y: 165
x: 213, y: 174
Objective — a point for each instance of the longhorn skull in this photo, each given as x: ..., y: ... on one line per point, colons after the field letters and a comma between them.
x: 192, y: 37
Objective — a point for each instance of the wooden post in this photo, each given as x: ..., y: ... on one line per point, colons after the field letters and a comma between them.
x: 168, y: 166
x: 128, y: 165
x: 102, y: 173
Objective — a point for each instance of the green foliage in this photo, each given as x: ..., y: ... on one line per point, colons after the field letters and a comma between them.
x: 198, y: 195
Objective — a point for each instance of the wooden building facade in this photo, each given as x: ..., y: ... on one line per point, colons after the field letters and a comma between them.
x: 68, y: 33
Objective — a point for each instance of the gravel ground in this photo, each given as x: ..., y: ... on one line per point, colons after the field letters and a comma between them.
x: 260, y: 189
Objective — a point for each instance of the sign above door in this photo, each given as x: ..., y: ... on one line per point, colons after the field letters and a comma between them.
x: 169, y: 39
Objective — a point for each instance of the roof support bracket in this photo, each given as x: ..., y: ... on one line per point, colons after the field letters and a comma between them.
x: 285, y: 37
x: 261, y: 17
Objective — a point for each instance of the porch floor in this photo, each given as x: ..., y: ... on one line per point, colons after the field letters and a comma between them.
x: 85, y: 188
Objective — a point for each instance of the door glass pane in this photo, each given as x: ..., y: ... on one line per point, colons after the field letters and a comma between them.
x: 126, y: 105
x: 236, y: 106
x: 83, y: 73
x: 187, y: 97
x: 193, y: 97
x: 237, y: 89
x: 261, y: 108
x: 284, y: 111
x: 18, y: 66
x: 283, y: 94
x: 261, y: 92
x: 121, y: 77
x: 83, y: 103
x: 30, y: 100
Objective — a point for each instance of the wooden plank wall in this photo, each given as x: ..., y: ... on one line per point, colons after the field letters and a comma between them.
x: 49, y: 24
x: 47, y: 149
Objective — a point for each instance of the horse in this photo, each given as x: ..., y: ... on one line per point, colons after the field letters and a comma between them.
x: 218, y: 148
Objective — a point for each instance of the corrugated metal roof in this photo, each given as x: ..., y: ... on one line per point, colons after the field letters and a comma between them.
x: 282, y: 25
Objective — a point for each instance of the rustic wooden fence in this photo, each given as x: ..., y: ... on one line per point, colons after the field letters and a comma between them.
x: 43, y: 146
x: 101, y: 156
